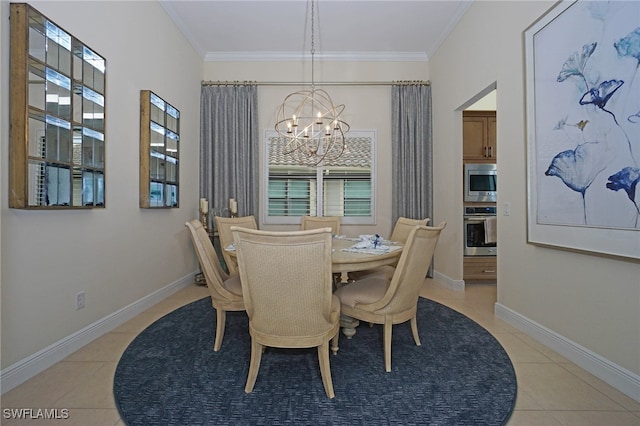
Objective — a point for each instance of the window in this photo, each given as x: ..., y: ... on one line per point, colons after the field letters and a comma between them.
x: 344, y: 187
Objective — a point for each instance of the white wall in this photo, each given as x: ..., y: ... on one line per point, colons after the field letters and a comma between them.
x: 593, y: 301
x: 366, y: 107
x: 121, y: 253
x: 487, y: 103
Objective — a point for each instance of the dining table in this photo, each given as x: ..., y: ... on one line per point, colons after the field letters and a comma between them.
x: 346, y: 258
x: 348, y: 255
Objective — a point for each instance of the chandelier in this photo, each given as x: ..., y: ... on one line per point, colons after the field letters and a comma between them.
x: 309, y: 122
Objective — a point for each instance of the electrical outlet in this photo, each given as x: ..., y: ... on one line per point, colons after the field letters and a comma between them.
x: 81, y: 300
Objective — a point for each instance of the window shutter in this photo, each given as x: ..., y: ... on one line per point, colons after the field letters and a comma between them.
x: 345, y: 185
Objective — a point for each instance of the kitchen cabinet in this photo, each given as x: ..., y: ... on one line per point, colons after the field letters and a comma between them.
x: 479, y: 136
x: 480, y: 268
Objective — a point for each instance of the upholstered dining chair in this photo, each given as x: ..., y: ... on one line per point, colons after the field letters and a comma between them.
x: 379, y: 301
x: 287, y: 287
x: 225, y: 290
x: 315, y: 222
x: 401, y: 231
x: 223, y: 226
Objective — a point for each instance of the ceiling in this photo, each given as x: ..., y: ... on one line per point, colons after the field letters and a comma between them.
x: 389, y: 30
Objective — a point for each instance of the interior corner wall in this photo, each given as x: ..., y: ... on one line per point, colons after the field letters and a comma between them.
x: 588, y: 299
x: 119, y: 254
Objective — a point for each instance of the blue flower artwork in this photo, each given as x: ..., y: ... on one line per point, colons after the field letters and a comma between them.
x: 587, y: 117
x: 600, y: 96
x: 627, y: 179
x: 578, y: 168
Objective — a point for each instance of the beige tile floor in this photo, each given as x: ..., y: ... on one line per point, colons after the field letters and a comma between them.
x: 551, y: 390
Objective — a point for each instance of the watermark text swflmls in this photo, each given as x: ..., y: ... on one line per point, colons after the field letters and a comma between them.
x: 36, y: 413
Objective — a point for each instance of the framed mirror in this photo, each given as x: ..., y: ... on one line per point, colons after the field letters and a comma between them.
x: 57, y: 113
x: 159, y: 152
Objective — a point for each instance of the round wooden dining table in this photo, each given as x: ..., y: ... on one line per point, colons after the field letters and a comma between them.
x: 344, y: 262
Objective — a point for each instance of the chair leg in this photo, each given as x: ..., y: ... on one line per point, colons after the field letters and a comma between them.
x: 387, y: 345
x: 325, y: 369
x: 334, y: 343
x: 414, y: 330
x: 221, y: 318
x: 254, y: 365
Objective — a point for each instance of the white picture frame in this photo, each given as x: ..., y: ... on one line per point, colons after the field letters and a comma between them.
x: 583, y: 127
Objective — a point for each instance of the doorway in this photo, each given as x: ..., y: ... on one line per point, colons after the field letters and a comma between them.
x: 479, y: 123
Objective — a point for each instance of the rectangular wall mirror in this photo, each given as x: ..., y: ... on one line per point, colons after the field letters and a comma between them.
x: 159, y: 152
x: 57, y: 113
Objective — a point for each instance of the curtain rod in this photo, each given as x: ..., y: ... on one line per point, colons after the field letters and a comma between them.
x: 324, y: 83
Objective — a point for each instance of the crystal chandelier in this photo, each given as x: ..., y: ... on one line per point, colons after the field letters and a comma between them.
x: 309, y: 122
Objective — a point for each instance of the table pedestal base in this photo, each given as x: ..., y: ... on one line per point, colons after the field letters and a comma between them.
x: 348, y: 325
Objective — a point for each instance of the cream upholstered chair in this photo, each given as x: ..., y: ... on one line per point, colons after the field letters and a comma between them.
x: 286, y: 282
x: 225, y: 290
x: 404, y: 226
x: 223, y: 226
x: 401, y: 231
x: 315, y: 222
x: 379, y: 301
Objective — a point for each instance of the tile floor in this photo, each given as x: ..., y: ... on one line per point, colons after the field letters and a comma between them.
x: 551, y: 390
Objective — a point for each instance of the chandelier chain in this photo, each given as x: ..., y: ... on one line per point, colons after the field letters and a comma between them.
x: 309, y: 124
x: 313, y: 48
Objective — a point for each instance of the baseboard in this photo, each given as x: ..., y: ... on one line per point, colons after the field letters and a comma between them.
x: 620, y: 378
x: 26, y: 368
x: 450, y: 283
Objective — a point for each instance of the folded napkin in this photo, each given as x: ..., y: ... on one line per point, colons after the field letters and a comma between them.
x: 371, y: 244
x: 369, y: 241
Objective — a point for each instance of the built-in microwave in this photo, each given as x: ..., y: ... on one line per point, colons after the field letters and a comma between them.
x: 480, y: 183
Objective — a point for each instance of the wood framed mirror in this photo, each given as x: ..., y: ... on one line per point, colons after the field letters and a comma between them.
x: 159, y: 152
x: 57, y: 114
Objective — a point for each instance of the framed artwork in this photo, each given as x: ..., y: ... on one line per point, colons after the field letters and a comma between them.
x: 582, y: 62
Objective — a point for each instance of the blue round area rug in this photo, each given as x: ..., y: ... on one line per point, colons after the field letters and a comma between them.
x: 460, y: 375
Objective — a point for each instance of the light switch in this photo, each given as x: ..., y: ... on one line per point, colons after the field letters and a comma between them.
x: 506, y: 208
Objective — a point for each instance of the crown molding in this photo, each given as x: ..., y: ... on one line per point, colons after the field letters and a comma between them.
x: 325, y: 56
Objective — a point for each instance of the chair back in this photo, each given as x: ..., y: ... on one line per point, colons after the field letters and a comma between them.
x: 316, y: 222
x: 208, y: 258
x: 286, y: 281
x: 223, y: 226
x: 408, y: 278
x: 403, y: 228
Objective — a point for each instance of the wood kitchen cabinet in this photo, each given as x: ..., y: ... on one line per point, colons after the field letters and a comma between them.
x: 479, y: 136
x: 480, y: 268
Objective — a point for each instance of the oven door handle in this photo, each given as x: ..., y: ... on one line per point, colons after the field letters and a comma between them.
x: 476, y: 219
